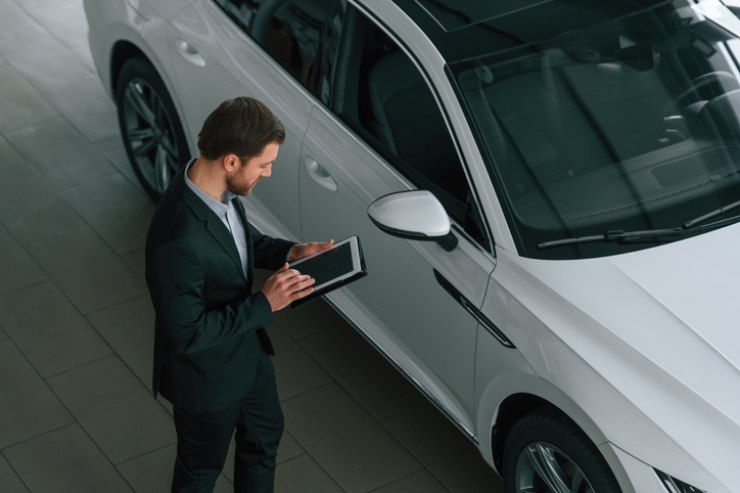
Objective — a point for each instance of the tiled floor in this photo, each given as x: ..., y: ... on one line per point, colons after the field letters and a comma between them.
x: 76, y: 414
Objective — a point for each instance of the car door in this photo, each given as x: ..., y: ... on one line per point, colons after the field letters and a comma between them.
x: 382, y: 132
x: 226, y: 48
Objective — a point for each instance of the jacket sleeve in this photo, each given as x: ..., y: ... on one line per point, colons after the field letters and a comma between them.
x: 176, y: 279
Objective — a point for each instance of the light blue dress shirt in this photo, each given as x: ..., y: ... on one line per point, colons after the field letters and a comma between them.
x: 226, y: 211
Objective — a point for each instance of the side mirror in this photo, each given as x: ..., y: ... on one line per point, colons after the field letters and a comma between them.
x: 414, y: 215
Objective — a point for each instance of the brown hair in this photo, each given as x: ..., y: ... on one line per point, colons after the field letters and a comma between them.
x: 241, y: 126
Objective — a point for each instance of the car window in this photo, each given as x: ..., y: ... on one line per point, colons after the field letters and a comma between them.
x: 288, y: 30
x: 629, y: 126
x: 329, y: 47
x: 384, y: 97
x: 240, y: 11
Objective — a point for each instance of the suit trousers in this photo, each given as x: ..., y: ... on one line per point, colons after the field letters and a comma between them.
x: 203, y: 440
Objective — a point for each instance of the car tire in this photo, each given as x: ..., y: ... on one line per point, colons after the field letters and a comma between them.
x: 546, y: 452
x: 152, y: 134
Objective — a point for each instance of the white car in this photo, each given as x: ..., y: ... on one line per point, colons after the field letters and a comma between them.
x: 547, y: 193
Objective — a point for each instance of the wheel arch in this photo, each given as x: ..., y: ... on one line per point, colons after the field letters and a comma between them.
x: 121, y: 52
x: 124, y: 50
x: 511, y: 396
x: 510, y: 411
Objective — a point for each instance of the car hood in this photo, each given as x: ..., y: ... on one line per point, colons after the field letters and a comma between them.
x: 662, y: 327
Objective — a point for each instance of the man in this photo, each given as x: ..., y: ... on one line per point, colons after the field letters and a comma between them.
x: 212, y: 355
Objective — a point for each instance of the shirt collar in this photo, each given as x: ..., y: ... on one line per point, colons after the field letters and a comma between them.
x: 219, y: 208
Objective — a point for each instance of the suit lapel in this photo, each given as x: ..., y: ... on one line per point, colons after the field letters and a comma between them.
x: 214, y: 226
x: 222, y: 235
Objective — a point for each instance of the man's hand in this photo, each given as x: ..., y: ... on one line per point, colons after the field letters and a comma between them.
x: 286, y: 286
x: 301, y: 250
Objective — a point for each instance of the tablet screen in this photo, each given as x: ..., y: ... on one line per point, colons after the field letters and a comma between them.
x: 333, y: 268
x: 328, y: 265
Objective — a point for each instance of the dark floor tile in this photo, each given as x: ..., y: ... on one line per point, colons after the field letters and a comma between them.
x: 115, y: 409
x: 86, y: 104
x: 66, y: 21
x: 420, y: 482
x: 47, y: 212
x: 81, y: 48
x: 152, y: 473
x: 289, y: 449
x: 64, y: 461
x: 308, y: 319
x: 346, y: 441
x: 86, y: 269
x: 118, y: 212
x: 61, y: 154
x: 43, y: 60
x: 363, y: 372
x: 223, y: 485
x: 166, y: 405
x: 27, y: 408
x: 9, y: 480
x: 112, y: 148
x: 303, y: 475
x: 129, y: 329
x: 49, y: 330
x: 9, y: 156
x: 136, y: 260
x: 15, y: 21
x: 442, y: 449
x: 20, y: 104
x: 3, y: 336
x: 296, y: 372
x: 17, y: 269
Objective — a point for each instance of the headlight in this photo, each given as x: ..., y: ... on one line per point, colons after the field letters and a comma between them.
x: 673, y: 485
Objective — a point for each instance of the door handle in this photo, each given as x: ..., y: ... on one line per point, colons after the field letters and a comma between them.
x: 189, y: 53
x: 319, y: 174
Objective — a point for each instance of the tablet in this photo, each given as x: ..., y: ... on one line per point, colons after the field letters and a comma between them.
x: 332, y: 268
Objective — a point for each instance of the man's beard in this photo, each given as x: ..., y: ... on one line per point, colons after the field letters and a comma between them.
x: 239, y: 188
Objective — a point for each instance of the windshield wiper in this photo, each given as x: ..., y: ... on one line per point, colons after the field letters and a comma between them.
x: 623, y: 237
x: 712, y: 214
x: 614, y: 236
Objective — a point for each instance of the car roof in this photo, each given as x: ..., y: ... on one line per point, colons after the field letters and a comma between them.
x: 464, y: 29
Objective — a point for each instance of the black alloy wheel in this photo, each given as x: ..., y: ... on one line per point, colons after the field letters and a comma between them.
x: 151, y: 130
x: 546, y: 452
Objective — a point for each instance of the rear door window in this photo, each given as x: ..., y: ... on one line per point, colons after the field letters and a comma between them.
x: 289, y: 30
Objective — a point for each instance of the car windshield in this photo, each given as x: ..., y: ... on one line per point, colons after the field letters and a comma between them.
x: 630, y: 125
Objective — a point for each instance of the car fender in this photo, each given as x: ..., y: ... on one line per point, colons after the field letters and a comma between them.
x: 509, y: 384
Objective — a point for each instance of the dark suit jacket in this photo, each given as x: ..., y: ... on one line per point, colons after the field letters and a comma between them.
x: 209, y: 327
